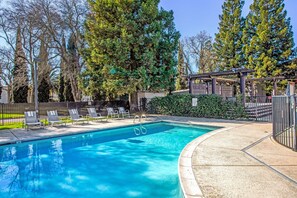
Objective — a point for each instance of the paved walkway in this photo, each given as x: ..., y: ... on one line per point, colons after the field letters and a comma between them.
x: 239, y: 160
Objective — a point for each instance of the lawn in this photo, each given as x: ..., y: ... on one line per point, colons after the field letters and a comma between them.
x: 13, y: 125
x: 11, y: 115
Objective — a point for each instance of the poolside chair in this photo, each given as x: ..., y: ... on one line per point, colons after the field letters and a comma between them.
x: 75, y: 117
x: 53, y: 118
x: 112, y: 113
x: 124, y: 112
x: 93, y: 114
x: 32, y: 120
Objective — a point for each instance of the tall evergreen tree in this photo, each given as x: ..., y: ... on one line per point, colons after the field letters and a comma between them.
x: 181, y: 82
x: 268, y: 39
x: 20, y: 72
x: 228, y: 45
x: 71, y: 70
x: 44, y: 70
x: 67, y: 92
x: 61, y: 87
x: 133, y: 45
x: 167, y: 38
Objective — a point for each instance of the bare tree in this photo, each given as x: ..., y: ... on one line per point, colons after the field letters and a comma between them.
x: 47, y: 22
x: 18, y: 16
x: 6, y: 67
x: 198, y: 50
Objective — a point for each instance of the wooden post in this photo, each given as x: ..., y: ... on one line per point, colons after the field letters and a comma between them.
x: 274, y: 93
x: 213, y: 85
x: 190, y: 85
x: 242, y: 86
x: 252, y: 91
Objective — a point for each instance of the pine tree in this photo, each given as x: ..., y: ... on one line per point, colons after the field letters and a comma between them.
x: 61, y: 87
x: 268, y: 39
x: 132, y: 45
x: 44, y: 70
x: 68, y: 92
x: 181, y: 82
x: 20, y: 72
x: 71, y: 68
x: 166, y: 53
x: 228, y: 45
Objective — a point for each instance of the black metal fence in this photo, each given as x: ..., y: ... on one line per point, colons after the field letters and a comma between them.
x: 284, y: 120
x: 14, y: 113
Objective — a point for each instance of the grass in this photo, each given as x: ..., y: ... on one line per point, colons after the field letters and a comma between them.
x: 14, y: 125
x: 11, y: 115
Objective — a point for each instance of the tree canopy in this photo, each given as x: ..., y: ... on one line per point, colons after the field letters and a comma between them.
x: 268, y: 39
x: 132, y: 45
x: 228, y: 44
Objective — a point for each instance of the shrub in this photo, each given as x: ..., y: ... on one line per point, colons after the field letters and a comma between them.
x: 208, y: 106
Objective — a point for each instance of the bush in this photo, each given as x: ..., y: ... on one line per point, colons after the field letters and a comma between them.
x: 208, y: 106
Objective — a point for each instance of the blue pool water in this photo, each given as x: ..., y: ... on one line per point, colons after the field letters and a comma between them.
x: 108, y: 163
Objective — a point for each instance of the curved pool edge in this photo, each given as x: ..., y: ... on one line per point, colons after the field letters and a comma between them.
x: 188, y: 183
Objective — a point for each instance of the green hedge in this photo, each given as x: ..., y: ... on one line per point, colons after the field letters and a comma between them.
x: 208, y: 106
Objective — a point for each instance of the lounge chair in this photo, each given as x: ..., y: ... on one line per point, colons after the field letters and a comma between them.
x: 32, y: 120
x: 93, y: 114
x: 75, y: 117
x: 124, y: 112
x: 53, y: 118
x: 112, y: 113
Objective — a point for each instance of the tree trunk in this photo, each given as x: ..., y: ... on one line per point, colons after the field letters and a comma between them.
x: 76, y: 92
x: 133, y: 100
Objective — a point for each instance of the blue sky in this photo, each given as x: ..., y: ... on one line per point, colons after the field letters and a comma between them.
x: 193, y: 16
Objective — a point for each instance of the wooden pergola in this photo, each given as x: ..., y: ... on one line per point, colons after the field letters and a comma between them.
x: 215, y: 77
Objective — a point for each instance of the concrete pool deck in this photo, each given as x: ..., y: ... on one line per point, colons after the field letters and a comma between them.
x: 239, y: 160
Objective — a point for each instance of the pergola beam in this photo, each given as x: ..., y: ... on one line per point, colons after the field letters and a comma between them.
x: 223, y: 73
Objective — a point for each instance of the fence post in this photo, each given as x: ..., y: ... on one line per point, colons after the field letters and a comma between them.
x: 294, y: 123
x: 2, y: 114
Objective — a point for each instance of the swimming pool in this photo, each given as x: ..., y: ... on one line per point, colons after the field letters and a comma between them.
x: 107, y: 163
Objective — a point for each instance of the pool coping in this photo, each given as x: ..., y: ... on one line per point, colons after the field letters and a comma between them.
x: 73, y: 133
x: 188, y: 182
x: 85, y: 131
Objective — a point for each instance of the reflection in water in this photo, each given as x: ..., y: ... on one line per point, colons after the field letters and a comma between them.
x: 18, y: 172
x: 97, y: 164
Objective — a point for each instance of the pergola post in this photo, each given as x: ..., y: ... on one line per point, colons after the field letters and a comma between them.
x: 274, y: 93
x: 252, y: 90
x: 213, y: 85
x: 242, y: 86
x: 190, y: 85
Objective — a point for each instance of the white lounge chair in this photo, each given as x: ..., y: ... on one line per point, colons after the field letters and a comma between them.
x: 53, y: 118
x: 32, y: 120
x: 124, y: 112
x: 93, y: 114
x: 75, y: 117
x: 112, y: 113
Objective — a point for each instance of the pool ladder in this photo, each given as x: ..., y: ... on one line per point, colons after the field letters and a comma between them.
x: 140, y: 117
x: 140, y: 130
